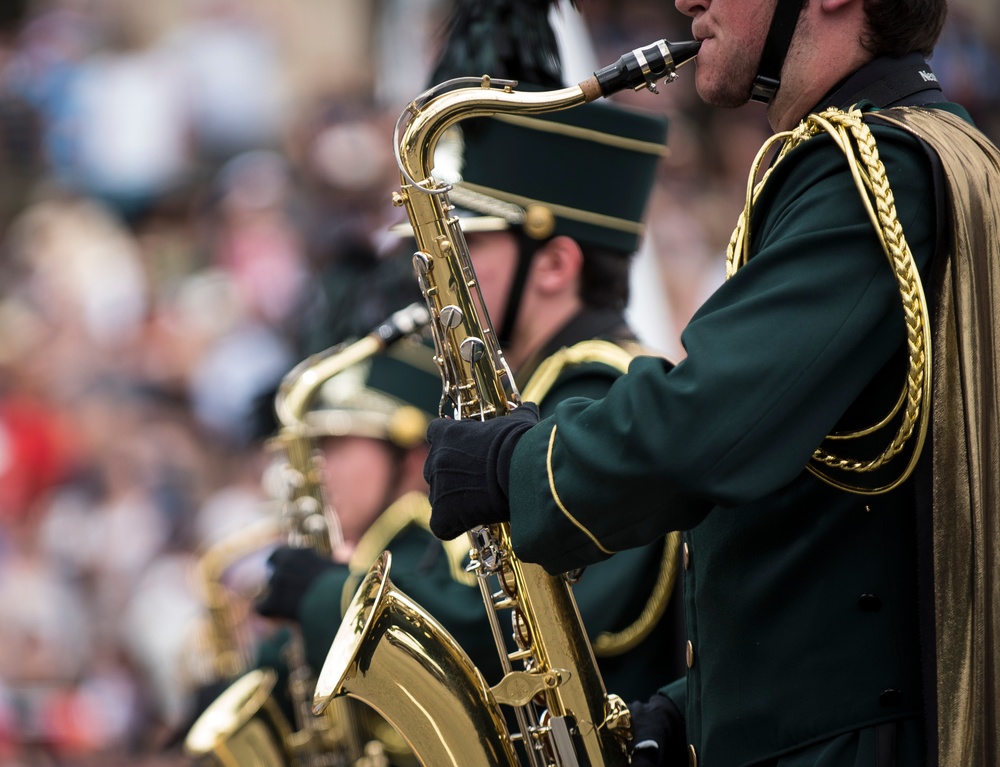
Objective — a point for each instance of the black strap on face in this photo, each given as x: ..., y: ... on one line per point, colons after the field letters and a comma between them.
x: 526, y: 248
x: 779, y: 37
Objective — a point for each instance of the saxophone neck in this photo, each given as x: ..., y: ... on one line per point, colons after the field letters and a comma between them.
x: 426, y: 119
x: 437, y: 109
x: 299, y: 386
x: 307, y: 524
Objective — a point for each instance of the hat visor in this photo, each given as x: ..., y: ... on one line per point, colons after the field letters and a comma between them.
x: 469, y: 220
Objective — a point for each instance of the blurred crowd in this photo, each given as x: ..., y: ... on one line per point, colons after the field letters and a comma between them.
x: 193, y: 197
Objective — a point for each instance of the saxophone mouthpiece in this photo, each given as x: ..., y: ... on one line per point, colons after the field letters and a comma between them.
x: 641, y: 68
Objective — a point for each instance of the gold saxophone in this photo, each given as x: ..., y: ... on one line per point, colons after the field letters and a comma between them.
x: 389, y: 652
x: 245, y: 725
x: 226, y: 636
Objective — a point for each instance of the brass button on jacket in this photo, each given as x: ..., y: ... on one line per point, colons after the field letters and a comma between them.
x: 869, y: 603
x: 890, y: 698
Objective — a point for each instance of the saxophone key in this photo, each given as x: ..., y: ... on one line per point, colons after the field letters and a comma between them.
x: 451, y: 317
x: 421, y: 263
x: 503, y: 602
x: 472, y: 349
x: 517, y: 688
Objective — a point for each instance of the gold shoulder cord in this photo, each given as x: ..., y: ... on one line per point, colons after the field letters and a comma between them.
x: 608, y: 643
x: 855, y: 140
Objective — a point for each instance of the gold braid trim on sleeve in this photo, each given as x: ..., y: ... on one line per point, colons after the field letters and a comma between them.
x: 562, y: 507
x: 854, y: 138
x: 585, y: 352
x: 617, y: 356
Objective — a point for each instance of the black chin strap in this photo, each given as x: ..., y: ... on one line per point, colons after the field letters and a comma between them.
x: 779, y: 37
x: 526, y: 247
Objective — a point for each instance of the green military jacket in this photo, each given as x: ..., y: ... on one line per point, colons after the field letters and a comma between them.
x: 800, y: 599
x: 612, y: 596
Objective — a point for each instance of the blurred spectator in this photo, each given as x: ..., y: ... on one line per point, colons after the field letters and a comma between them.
x: 80, y: 264
x: 129, y: 123
x: 41, y: 69
x: 226, y: 384
x: 254, y: 239
x: 967, y: 63
x: 232, y: 81
x: 36, y: 452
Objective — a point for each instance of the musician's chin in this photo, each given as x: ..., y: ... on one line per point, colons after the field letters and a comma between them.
x: 721, y: 82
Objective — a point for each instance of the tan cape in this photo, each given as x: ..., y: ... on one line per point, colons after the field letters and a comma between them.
x: 966, y: 440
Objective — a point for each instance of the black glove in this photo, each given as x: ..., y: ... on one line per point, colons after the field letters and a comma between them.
x: 658, y: 733
x: 468, y: 469
x: 292, y: 573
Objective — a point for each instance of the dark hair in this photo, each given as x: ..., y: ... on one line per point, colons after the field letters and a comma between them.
x: 897, y: 28
x: 604, y: 277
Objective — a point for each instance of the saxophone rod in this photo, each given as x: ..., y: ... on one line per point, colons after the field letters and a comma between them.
x: 641, y: 68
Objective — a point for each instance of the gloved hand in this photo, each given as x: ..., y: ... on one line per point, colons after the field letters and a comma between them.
x: 658, y: 733
x: 293, y: 571
x: 468, y: 469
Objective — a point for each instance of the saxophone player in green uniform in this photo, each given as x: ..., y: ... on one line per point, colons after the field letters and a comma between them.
x: 560, y: 281
x: 841, y: 594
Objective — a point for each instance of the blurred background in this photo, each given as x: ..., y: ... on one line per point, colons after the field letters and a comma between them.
x: 191, y: 192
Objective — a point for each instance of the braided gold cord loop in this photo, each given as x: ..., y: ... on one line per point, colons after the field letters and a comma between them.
x: 855, y: 140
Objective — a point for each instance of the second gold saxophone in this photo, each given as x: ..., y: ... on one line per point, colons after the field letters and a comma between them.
x: 389, y: 652
x: 246, y: 725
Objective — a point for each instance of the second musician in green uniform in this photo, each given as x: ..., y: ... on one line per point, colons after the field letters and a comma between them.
x: 552, y: 252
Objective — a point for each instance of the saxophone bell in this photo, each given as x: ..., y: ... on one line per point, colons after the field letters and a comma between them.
x: 393, y: 655
x: 246, y: 725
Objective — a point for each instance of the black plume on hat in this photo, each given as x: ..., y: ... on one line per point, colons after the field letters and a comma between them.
x: 508, y: 39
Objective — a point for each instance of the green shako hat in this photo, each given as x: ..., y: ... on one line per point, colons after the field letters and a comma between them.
x: 391, y: 396
x: 585, y: 172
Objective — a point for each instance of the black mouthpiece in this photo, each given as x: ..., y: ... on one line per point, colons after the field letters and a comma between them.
x: 644, y: 66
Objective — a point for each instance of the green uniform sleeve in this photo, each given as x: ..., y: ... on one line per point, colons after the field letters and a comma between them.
x: 677, y: 692
x: 774, y: 358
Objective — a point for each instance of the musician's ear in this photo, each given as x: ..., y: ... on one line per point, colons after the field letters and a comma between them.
x: 557, y: 265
